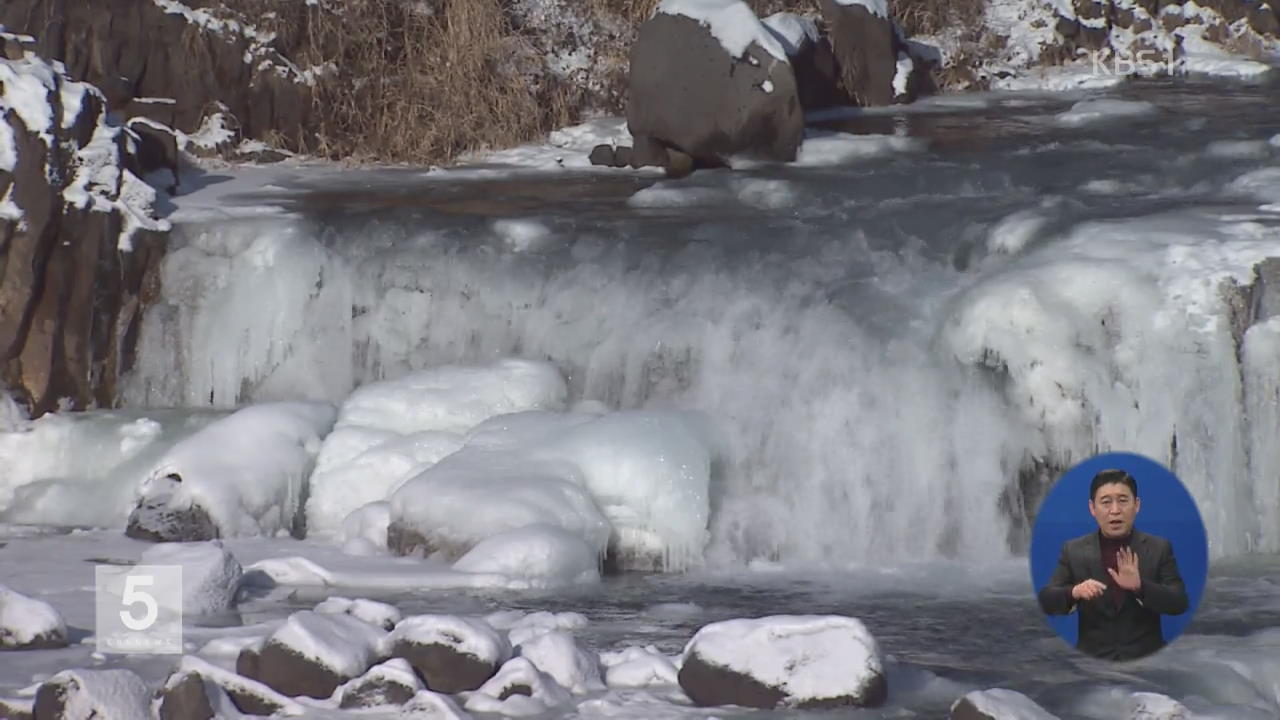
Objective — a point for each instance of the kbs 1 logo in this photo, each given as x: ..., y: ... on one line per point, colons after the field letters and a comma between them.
x: 1142, y: 63
x: 138, y: 609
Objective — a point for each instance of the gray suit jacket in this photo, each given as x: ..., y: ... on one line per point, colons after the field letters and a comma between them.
x: 1133, y: 629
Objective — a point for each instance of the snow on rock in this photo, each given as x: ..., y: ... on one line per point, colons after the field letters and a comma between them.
x: 454, y: 398
x: 29, y: 624
x: 534, y: 556
x: 518, y: 689
x: 371, y: 611
x: 522, y: 627
x: 998, y: 704
x: 451, y: 653
x: 791, y: 31
x: 313, y: 653
x: 650, y: 473
x: 558, y: 655
x: 1154, y: 706
x: 339, y: 487
x: 1012, y: 232
x: 246, y: 694
x: 93, y: 694
x: 364, y: 531
x: 879, y: 8
x: 1096, y: 110
x: 1262, y: 184
x: 638, y: 667
x: 796, y: 660
x: 732, y: 22
x: 245, y: 471
x: 427, y: 705
x: 391, y: 683
x: 210, y: 574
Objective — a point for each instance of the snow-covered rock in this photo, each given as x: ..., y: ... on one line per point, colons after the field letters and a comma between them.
x: 998, y: 704
x: 557, y: 654
x: 1154, y: 706
x: 638, y: 667
x: 804, y: 661
x: 222, y: 688
x: 29, y: 624
x: 242, y: 474
x: 429, y: 705
x: 450, y: 653
x: 210, y: 574
x: 391, y: 683
x: 313, y: 653
x: 371, y: 611
x: 364, y: 530
x: 534, y: 556
x: 522, y: 627
x: 518, y: 689
x: 93, y: 694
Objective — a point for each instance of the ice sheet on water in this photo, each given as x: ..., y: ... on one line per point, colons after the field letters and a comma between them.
x: 822, y: 148
x: 534, y: 555
x: 1099, y: 110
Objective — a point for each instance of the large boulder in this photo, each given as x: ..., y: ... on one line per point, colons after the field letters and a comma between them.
x: 196, y: 687
x: 713, y: 86
x: 29, y: 624
x: 394, y: 682
x: 803, y: 661
x: 813, y: 60
x: 79, y: 239
x: 138, y: 50
x: 866, y: 48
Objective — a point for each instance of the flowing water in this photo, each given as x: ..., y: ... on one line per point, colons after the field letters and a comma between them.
x: 899, y: 341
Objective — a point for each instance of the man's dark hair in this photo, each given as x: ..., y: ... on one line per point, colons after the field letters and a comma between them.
x: 1106, y: 477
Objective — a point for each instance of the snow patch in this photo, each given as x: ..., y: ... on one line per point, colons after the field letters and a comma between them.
x: 558, y: 655
x: 639, y: 667
x: 1097, y: 110
x: 822, y: 148
x: 732, y: 22
x: 791, y: 31
x: 375, y: 613
x: 210, y: 574
x: 534, y: 556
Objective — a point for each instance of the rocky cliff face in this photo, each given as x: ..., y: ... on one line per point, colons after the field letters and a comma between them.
x: 79, y: 239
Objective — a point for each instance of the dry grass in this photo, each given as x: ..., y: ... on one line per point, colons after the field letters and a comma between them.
x: 425, y: 87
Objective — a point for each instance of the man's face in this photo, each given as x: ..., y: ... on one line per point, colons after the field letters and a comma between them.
x: 1114, y: 507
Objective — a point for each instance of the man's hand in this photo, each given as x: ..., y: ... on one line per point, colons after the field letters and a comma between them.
x: 1126, y: 573
x: 1088, y: 590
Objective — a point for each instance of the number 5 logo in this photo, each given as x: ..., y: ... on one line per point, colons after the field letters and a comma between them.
x: 132, y: 596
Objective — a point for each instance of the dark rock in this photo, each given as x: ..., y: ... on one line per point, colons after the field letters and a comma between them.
x: 403, y: 540
x: 1067, y: 27
x: 157, y: 149
x: 686, y: 92
x: 603, y: 155
x: 185, y: 699
x: 263, y: 157
x: 812, y: 61
x: 443, y: 669
x: 1263, y: 20
x: 622, y: 157
x: 153, y: 520
x: 679, y: 164
x: 282, y: 669
x: 647, y: 152
x: 516, y: 689
x: 247, y: 663
x: 709, y: 685
x: 865, y: 49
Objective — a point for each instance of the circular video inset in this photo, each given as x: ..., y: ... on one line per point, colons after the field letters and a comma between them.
x: 1119, y: 556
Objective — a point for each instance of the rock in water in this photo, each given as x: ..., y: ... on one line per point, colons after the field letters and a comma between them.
x: 689, y: 92
x: 784, y: 660
x: 29, y: 624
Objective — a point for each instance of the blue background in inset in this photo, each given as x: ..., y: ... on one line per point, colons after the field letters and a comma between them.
x: 1167, y: 510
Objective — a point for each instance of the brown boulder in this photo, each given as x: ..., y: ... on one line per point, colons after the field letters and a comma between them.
x: 184, y: 698
x: 687, y: 92
x: 866, y: 49
x: 94, y: 694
